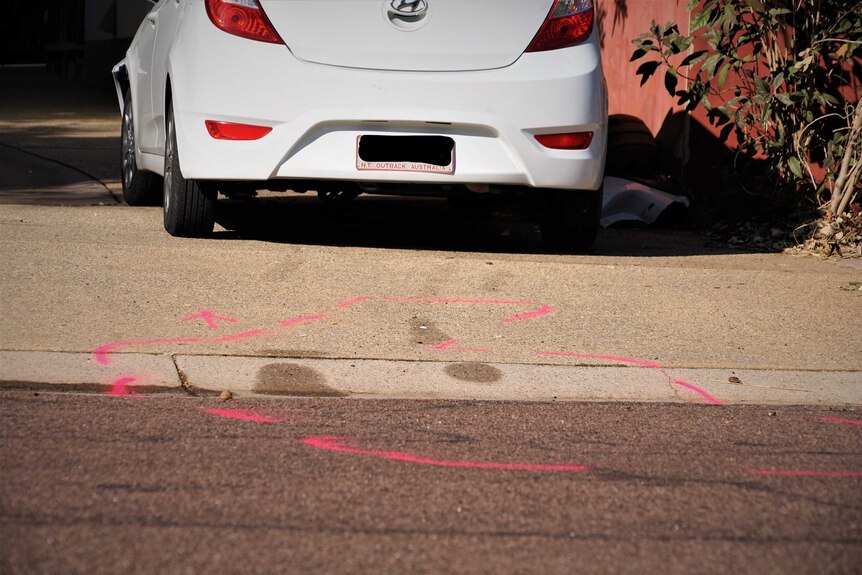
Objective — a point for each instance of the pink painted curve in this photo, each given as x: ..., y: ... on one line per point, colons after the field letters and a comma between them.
x: 102, y: 354
x: 804, y: 473
x: 445, y: 344
x: 298, y: 320
x: 120, y: 386
x: 614, y: 358
x: 709, y: 398
x: 353, y: 301
x: 542, y: 311
x: 343, y: 445
x: 840, y: 420
x: 450, y: 345
x: 243, y: 335
x: 458, y: 300
x: 242, y: 415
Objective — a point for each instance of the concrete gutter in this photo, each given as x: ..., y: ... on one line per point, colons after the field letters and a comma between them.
x: 363, y: 378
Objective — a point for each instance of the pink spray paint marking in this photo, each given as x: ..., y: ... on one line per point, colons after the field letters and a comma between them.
x: 710, y: 399
x: 211, y: 318
x: 450, y: 345
x: 298, y: 320
x: 804, y: 473
x: 243, y: 415
x: 120, y: 386
x: 457, y: 300
x: 542, y: 311
x: 840, y: 420
x: 353, y: 301
x: 102, y: 354
x: 243, y: 335
x: 445, y: 344
x: 343, y: 445
x: 631, y: 360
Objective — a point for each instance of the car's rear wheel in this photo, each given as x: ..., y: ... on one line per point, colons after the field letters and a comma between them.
x: 189, y: 209
x: 570, y: 219
x: 140, y: 187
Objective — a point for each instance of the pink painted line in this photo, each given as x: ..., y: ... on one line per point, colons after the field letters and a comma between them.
x: 457, y: 300
x: 840, y: 420
x: 449, y: 345
x: 445, y: 344
x: 243, y: 335
x: 804, y: 473
x: 631, y: 360
x: 298, y: 320
x: 343, y: 445
x: 243, y: 415
x: 120, y: 386
x: 542, y: 311
x: 211, y: 318
x: 353, y: 301
x: 710, y: 399
x: 102, y: 354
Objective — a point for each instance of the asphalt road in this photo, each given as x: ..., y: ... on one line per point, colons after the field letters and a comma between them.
x: 95, y: 484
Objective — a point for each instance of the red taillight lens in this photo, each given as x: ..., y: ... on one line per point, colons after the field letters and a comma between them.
x: 570, y: 141
x: 231, y: 131
x: 569, y: 22
x: 243, y: 18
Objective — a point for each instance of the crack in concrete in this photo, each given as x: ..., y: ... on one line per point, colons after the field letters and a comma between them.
x: 184, y: 379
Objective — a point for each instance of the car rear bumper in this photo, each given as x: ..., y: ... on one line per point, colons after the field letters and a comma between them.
x: 317, y: 112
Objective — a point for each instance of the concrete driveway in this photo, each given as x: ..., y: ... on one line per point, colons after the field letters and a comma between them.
x: 382, y: 298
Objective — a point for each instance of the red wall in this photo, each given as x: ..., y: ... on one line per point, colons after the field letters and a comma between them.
x: 689, y: 151
x: 619, y: 22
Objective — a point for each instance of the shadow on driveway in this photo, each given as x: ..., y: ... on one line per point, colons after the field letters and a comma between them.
x: 427, y: 224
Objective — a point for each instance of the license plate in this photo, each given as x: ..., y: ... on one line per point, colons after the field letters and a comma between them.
x: 427, y: 154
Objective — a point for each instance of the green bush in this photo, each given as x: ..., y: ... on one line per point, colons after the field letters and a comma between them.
x: 782, y: 77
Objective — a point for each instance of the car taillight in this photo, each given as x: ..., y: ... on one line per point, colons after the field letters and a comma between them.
x: 569, y: 22
x: 244, y: 18
x: 568, y: 141
x: 232, y: 131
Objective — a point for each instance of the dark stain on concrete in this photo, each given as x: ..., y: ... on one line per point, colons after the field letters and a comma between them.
x: 292, y: 379
x: 424, y: 332
x: 474, y: 372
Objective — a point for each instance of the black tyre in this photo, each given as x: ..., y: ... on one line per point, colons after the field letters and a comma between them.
x: 189, y: 208
x: 632, y: 149
x: 570, y: 219
x: 140, y: 188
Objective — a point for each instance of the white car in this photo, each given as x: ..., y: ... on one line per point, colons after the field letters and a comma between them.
x: 345, y: 96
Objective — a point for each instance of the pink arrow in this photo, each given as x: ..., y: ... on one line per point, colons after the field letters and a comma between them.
x: 210, y: 317
x: 544, y: 310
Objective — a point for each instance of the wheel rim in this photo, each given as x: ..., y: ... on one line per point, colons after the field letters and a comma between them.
x: 128, y: 146
x: 169, y: 162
